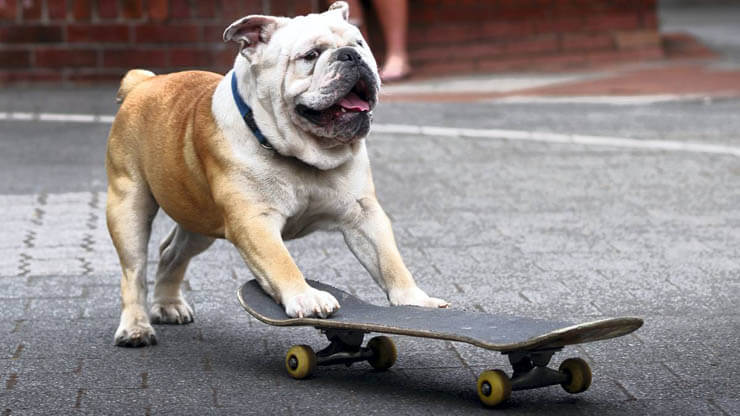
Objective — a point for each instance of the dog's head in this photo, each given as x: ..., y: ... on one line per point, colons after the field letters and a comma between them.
x: 314, y: 72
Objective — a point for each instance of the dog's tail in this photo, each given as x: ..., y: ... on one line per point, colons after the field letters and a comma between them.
x: 132, y: 78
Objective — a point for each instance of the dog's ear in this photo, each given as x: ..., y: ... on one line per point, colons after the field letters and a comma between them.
x: 252, y: 31
x: 341, y: 8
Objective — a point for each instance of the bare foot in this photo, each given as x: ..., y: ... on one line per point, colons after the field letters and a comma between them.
x: 395, y: 68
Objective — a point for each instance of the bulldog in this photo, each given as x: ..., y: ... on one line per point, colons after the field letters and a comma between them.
x: 271, y: 151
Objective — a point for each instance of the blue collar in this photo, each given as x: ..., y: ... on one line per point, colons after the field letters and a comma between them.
x: 247, y: 114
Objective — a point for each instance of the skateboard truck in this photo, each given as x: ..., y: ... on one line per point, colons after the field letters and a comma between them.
x: 345, y: 347
x: 531, y: 372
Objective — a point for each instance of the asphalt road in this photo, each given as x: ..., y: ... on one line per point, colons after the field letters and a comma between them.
x: 562, y: 231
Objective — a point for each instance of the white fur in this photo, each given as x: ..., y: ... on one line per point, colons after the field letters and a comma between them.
x: 326, y: 187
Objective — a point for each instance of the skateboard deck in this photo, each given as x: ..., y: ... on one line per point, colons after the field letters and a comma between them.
x: 496, y: 332
x: 529, y: 343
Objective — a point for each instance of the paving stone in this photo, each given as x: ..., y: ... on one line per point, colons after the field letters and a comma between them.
x: 558, y: 231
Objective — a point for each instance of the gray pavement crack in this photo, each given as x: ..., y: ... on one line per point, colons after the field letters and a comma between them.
x: 94, y: 200
x: 718, y: 407
x: 462, y: 360
x: 29, y: 239
x: 630, y: 396
x: 18, y: 351
x: 523, y: 296
x: 215, y: 397
x: 17, y: 326
x: 87, y: 268
x: 12, y: 381
x: 24, y: 266
x: 78, y: 399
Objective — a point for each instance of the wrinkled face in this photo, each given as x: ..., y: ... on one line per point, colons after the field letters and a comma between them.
x: 331, y: 81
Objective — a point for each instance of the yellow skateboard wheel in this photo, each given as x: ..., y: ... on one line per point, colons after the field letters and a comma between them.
x: 384, y: 353
x: 494, y: 387
x: 300, y: 361
x: 579, y: 375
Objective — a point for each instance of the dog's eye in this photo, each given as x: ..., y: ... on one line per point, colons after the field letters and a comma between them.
x: 311, y: 55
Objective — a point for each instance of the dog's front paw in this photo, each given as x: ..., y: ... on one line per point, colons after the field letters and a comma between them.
x: 416, y: 297
x: 135, y: 335
x: 311, y: 302
x: 171, y: 312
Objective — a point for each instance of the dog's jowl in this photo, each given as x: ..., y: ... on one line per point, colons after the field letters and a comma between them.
x: 271, y: 151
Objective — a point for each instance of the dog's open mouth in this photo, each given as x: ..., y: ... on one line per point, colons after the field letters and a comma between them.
x: 356, y: 101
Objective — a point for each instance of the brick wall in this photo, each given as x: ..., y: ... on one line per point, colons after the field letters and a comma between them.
x: 86, y: 40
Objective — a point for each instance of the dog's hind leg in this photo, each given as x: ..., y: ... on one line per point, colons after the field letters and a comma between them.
x: 175, y: 252
x: 129, y: 213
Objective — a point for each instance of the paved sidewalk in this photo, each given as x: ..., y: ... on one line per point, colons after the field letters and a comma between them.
x: 561, y: 231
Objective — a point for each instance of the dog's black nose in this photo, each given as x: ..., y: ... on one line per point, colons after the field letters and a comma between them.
x: 348, y: 54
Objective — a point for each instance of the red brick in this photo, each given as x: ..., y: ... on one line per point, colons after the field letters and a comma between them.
x: 445, y: 68
x: 223, y: 59
x: 61, y: 58
x: 97, y: 33
x: 585, y: 41
x: 82, y: 10
x: 608, y: 58
x: 502, y: 29
x: 612, y: 21
x: 180, y: 9
x: 130, y: 58
x: 232, y: 9
x: 205, y: 8
x: 190, y: 57
x: 558, y: 24
x: 504, y: 64
x: 303, y: 7
x: 447, y: 34
x: 643, y: 39
x: 533, y: 45
x: 31, y: 9
x: 9, y: 10
x: 649, y: 20
x: 56, y: 9
x: 457, y: 52
x: 158, y: 10
x: 132, y: 9
x: 30, y: 34
x: 157, y: 33
x: 15, y: 59
x: 213, y: 33
x: 253, y: 7
x: 107, y: 9
x: 281, y: 7
x: 30, y: 76
x: 435, y: 14
x: 96, y: 76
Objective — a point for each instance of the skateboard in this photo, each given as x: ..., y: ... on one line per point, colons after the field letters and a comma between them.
x: 528, y: 343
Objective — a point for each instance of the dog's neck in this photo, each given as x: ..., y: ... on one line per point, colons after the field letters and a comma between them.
x: 286, y: 139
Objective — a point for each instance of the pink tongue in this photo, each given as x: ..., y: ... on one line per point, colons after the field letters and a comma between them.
x: 353, y: 102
